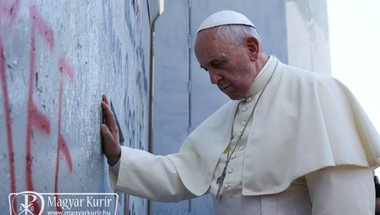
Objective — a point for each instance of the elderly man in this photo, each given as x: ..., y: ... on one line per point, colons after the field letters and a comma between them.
x: 290, y: 142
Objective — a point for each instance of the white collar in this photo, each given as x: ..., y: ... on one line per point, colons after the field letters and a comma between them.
x: 262, y: 78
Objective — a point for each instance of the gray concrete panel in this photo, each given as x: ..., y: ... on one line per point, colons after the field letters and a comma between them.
x: 308, y: 35
x: 171, y: 74
x: 171, y: 97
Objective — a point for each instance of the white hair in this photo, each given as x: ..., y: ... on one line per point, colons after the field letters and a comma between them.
x: 237, y: 34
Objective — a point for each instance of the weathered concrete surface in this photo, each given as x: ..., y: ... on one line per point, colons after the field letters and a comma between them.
x: 308, y: 35
x: 56, y: 60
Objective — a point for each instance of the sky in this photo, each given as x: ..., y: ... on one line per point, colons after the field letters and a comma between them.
x: 354, y: 27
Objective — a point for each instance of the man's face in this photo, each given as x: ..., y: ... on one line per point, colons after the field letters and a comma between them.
x: 229, y: 65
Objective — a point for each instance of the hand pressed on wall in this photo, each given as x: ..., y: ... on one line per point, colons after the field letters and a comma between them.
x: 110, y: 134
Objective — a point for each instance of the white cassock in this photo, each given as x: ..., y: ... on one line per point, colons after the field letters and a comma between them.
x: 309, y: 149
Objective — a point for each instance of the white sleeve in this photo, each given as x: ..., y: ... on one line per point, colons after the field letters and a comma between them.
x: 148, y: 176
x: 347, y: 190
x: 116, y: 167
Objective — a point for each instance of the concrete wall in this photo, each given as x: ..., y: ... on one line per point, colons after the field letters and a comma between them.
x: 308, y: 35
x: 56, y: 60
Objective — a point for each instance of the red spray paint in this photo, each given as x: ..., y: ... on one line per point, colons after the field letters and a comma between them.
x: 65, y: 70
x: 7, y: 110
x: 35, y: 118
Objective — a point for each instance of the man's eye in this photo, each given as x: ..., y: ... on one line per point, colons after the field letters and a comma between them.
x: 218, y: 64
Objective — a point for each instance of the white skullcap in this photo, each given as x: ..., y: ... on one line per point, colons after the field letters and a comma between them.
x: 225, y: 17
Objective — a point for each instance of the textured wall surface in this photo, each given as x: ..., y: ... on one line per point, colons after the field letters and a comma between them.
x: 56, y: 60
x: 308, y: 35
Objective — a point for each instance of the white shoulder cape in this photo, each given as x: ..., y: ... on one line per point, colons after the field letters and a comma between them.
x: 304, y: 121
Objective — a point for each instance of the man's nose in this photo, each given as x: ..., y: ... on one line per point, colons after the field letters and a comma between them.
x: 215, y: 78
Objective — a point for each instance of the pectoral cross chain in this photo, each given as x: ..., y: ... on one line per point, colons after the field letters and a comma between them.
x: 220, y: 180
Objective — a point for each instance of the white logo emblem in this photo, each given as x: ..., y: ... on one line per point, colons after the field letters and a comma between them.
x: 26, y: 201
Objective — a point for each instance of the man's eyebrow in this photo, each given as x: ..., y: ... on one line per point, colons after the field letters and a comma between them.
x: 213, y: 62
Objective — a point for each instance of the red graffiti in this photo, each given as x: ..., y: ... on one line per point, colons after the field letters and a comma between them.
x: 9, y: 10
x: 64, y: 69
x: 36, y: 120
x: 39, y: 24
x: 7, y: 110
x: 136, y: 7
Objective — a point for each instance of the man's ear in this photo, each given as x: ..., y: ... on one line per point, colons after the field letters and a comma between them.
x: 253, y: 48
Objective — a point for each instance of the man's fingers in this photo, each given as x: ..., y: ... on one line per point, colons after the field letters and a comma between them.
x: 110, y: 146
x: 109, y: 129
x: 107, y: 136
x: 105, y: 99
x: 109, y: 117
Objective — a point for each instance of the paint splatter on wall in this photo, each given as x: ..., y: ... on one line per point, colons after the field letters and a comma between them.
x: 56, y: 60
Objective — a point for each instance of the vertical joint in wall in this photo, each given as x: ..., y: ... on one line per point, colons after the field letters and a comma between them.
x: 189, y: 40
x: 189, y: 83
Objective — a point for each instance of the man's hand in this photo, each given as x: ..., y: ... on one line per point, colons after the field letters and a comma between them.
x: 110, y: 134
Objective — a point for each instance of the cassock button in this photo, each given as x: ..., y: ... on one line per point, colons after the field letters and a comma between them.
x: 230, y: 171
x: 244, y: 122
x: 244, y: 109
x: 241, y: 148
x: 249, y: 99
x: 239, y: 133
